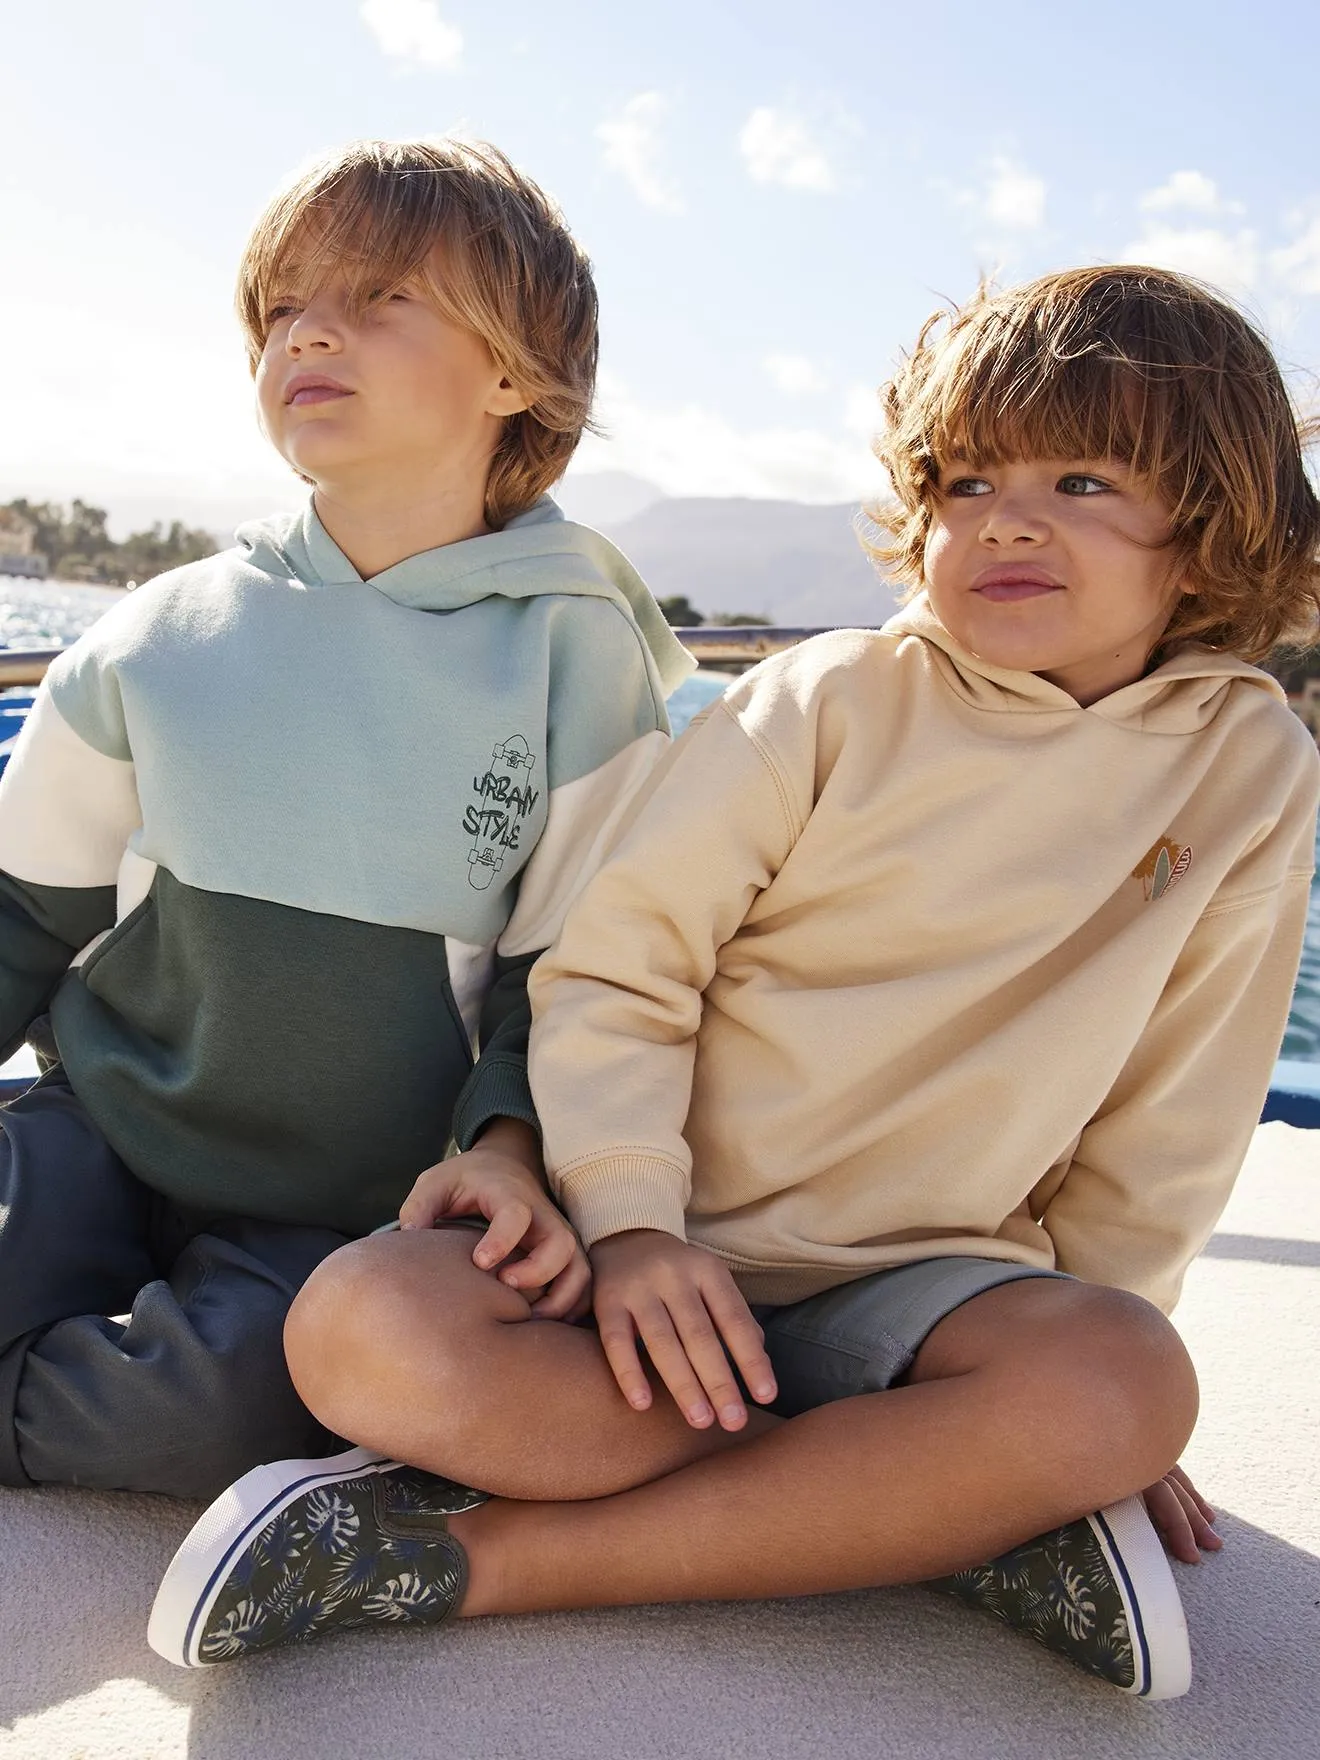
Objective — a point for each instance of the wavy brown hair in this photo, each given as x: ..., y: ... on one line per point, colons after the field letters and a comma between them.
x: 1145, y: 366
x: 511, y: 273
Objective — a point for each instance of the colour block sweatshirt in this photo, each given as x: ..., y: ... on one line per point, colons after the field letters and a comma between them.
x: 279, y: 846
x: 901, y: 955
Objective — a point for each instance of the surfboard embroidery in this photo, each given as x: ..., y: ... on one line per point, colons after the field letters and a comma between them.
x: 1163, y: 866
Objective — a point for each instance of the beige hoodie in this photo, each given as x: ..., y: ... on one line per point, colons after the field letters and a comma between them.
x: 901, y: 955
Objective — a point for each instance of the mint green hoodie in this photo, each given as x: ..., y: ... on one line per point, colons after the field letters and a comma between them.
x: 279, y: 846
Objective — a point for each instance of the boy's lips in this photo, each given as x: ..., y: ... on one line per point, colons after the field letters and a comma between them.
x: 1006, y: 585
x: 313, y: 388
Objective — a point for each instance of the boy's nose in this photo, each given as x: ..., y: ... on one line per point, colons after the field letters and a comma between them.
x: 1014, y: 520
x: 317, y: 328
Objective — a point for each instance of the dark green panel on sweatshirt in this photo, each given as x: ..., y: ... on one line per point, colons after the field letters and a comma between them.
x: 250, y: 1058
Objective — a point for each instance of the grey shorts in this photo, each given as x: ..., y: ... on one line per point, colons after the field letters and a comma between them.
x: 862, y: 1336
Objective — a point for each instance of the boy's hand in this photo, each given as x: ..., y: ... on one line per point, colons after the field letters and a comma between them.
x: 684, y: 1306
x: 1182, y: 1517
x: 500, y: 1178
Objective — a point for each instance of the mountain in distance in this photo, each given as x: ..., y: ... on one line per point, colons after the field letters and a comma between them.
x: 794, y: 563
x: 604, y: 499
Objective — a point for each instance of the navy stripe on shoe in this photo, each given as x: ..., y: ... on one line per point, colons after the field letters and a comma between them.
x: 284, y: 1496
x: 1139, y: 1628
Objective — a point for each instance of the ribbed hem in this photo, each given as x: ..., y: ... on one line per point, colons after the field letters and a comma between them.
x: 779, y: 1286
x: 623, y: 1190
x: 497, y: 1088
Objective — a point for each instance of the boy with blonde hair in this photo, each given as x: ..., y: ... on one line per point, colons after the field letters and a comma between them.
x: 285, y: 831
x: 892, y: 1069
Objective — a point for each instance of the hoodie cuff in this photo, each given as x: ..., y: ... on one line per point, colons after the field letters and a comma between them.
x: 627, y: 1189
x: 497, y: 1088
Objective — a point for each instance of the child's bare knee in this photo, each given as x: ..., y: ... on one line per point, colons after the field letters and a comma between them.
x: 388, y: 1314
x: 327, y: 1324
x: 1135, y: 1391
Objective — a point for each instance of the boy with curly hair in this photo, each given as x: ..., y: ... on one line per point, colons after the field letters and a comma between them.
x: 892, y: 1069
x: 286, y: 830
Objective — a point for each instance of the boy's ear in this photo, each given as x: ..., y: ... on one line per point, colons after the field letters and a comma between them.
x: 507, y: 400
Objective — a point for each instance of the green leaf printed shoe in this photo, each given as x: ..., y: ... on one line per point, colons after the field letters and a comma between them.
x: 304, y: 1547
x: 1100, y: 1592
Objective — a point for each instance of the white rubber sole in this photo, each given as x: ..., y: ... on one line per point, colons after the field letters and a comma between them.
x: 1134, y: 1553
x: 199, y: 1569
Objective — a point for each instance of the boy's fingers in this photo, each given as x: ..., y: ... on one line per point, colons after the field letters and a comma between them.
x: 545, y: 1260
x: 1181, y: 1542
x: 424, y: 1205
x: 1170, y: 1518
x: 508, y: 1225
x: 704, y: 1351
x: 1190, y: 1491
x: 618, y: 1340
x: 566, y: 1296
x: 1184, y: 1483
x: 1203, y: 1533
x: 580, y: 1309
x: 668, y: 1351
x: 744, y: 1340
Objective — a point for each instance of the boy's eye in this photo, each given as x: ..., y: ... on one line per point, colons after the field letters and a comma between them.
x: 962, y: 487
x: 1077, y: 483
x: 284, y: 309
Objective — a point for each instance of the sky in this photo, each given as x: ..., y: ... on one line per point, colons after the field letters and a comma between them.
x: 774, y: 196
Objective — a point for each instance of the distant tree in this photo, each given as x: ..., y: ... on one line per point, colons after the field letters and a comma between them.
x: 144, y: 554
x: 740, y: 620
x: 77, y: 545
x: 680, y: 612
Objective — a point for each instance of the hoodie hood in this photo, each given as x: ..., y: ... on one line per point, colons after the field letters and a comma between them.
x: 538, y: 552
x: 1182, y: 695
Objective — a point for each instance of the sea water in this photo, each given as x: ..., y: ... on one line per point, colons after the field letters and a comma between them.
x: 49, y: 614
x: 35, y: 614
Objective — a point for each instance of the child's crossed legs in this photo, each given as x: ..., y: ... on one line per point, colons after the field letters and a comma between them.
x: 1028, y: 1405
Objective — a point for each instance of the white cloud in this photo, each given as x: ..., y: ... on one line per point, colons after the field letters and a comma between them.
x: 1192, y: 192
x: 633, y: 148
x: 777, y: 147
x: 1230, y: 260
x: 794, y: 374
x: 1189, y: 240
x: 689, y: 449
x: 1014, y: 197
x: 133, y: 435
x: 861, y: 411
x: 1007, y: 204
x: 1297, y: 265
x: 413, y: 31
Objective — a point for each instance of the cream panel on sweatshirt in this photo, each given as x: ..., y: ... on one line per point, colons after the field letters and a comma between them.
x: 903, y: 957
x: 82, y: 843
x: 581, y: 818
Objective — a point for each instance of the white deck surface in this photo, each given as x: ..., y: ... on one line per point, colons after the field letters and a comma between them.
x: 901, y: 1673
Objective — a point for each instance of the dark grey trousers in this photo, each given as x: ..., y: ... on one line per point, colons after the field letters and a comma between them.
x: 186, y: 1388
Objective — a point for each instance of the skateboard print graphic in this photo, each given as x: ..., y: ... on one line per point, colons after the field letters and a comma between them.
x: 495, y: 819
